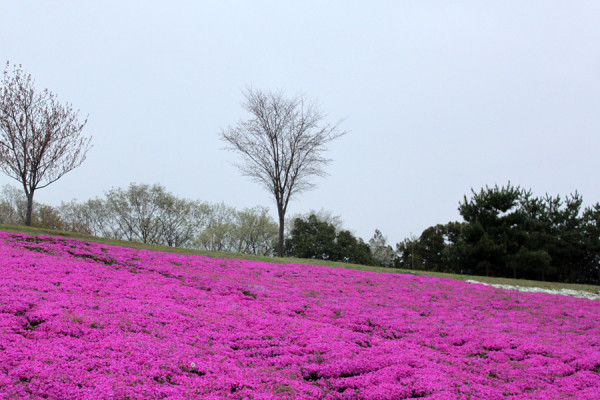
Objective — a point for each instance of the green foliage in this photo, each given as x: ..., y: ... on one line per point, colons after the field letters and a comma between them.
x: 353, y: 250
x: 249, y: 231
x: 150, y: 214
x: 256, y: 232
x: 218, y: 235
x: 507, y: 232
x: 492, y: 227
x: 434, y: 250
x: 312, y: 238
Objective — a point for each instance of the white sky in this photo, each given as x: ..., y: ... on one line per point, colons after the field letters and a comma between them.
x: 438, y: 98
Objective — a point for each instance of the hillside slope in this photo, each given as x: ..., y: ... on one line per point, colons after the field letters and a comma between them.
x: 83, y: 320
x: 593, y: 289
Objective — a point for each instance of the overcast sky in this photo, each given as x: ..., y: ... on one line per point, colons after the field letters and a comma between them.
x: 438, y: 98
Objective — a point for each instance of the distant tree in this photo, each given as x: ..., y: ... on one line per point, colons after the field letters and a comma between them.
x: 136, y: 211
x: 493, y: 233
x: 566, y: 243
x: 353, y: 250
x: 180, y: 219
x: 219, y: 232
x: 46, y: 216
x: 434, y: 250
x: 6, y: 213
x: 408, y: 254
x: 248, y: 231
x: 322, y: 215
x: 314, y: 238
x: 40, y: 138
x: 147, y: 213
x: 282, y: 145
x: 256, y: 232
x: 508, y: 232
x: 431, y: 246
x: 591, y: 237
x: 101, y: 219
x: 13, y: 209
x: 74, y: 218
x: 151, y: 214
x: 13, y: 206
x: 382, y: 252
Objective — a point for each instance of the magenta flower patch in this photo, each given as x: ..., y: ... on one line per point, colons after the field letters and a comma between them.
x: 88, y: 321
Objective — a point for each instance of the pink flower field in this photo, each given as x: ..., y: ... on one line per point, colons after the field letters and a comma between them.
x: 88, y: 321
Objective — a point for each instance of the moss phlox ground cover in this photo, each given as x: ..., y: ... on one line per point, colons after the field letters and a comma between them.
x: 88, y: 321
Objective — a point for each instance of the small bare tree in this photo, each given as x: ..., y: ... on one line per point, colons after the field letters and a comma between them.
x: 40, y: 139
x: 282, y: 145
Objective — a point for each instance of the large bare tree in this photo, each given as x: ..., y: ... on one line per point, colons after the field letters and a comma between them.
x: 40, y: 138
x: 282, y: 145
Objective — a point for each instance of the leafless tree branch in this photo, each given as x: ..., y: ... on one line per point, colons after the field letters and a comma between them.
x: 40, y: 138
x: 282, y: 145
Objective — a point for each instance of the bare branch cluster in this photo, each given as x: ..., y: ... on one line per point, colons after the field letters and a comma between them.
x: 40, y: 138
x: 282, y: 144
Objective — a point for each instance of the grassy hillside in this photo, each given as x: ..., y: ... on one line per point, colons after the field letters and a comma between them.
x: 288, y: 260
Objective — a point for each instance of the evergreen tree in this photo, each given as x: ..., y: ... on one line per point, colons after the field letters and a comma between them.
x: 508, y: 232
x: 313, y: 238
x: 492, y: 232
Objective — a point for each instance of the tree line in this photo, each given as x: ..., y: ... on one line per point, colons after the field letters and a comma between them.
x: 505, y: 232
x: 151, y: 214
x: 508, y: 232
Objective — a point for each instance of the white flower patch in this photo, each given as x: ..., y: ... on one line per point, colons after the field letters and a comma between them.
x: 563, y: 292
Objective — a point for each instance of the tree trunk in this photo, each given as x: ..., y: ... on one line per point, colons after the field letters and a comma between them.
x: 281, y: 226
x: 29, y: 209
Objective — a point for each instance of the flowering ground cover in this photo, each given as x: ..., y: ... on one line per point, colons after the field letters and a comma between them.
x: 88, y: 321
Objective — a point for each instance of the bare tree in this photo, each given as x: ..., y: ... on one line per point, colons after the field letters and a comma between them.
x: 40, y: 138
x: 135, y: 211
x: 13, y: 205
x: 282, y: 145
x: 180, y: 219
x: 255, y: 231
